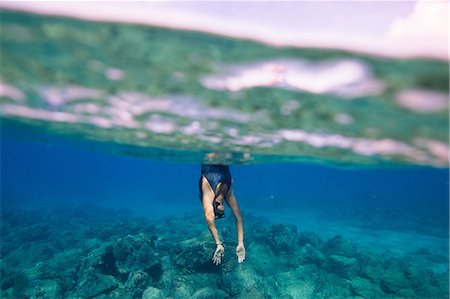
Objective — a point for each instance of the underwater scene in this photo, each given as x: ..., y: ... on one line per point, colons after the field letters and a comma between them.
x: 339, y: 162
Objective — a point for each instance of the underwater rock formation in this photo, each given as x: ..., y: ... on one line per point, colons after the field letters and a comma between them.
x: 371, y: 267
x: 93, y: 284
x: 128, y: 257
x: 364, y: 288
x: 152, y: 293
x: 346, y: 267
x: 283, y: 238
x: 340, y: 246
x: 134, y: 253
x: 310, y: 255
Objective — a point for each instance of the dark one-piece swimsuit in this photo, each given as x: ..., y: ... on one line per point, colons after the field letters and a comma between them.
x: 215, y: 174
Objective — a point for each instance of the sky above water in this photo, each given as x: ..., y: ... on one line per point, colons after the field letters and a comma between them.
x: 392, y: 28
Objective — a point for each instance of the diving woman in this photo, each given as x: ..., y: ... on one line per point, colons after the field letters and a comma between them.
x: 215, y: 188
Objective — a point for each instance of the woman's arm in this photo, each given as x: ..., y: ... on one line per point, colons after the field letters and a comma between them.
x: 208, y: 210
x: 209, y: 216
x: 233, y: 204
x: 218, y: 253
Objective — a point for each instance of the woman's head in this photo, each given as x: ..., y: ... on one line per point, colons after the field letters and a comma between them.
x: 219, y: 209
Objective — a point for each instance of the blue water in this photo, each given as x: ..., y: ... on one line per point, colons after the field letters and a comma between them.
x: 60, y: 172
x: 412, y: 199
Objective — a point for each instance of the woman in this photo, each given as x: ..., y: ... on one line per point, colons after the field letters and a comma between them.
x: 215, y: 187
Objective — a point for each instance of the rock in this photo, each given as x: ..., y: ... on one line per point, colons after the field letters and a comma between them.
x: 428, y: 291
x: 7, y: 293
x: 41, y: 289
x: 242, y: 279
x: 364, y: 288
x: 118, y: 293
x: 91, y: 244
x: 340, y: 246
x: 417, y: 276
x: 393, y: 280
x: 152, y: 293
x: 331, y: 291
x: 394, y: 263
x: 370, y: 266
x: 182, y: 291
x: 197, y: 258
x: 251, y: 293
x: 390, y: 254
x: 172, y: 279
x: 20, y: 283
x: 108, y: 261
x: 51, y: 289
x: 209, y: 293
x: 68, y: 279
x: 266, y: 262
x: 422, y: 251
x: 35, y: 232
x: 310, y: 255
x: 308, y: 237
x: 332, y: 285
x: 283, y: 238
x: 94, y: 260
x: 93, y: 284
x: 442, y: 281
x: 406, y: 293
x: 294, y: 284
x: 6, y: 275
x: 137, y: 282
x: 343, y: 266
x: 63, y: 265
x: 136, y: 253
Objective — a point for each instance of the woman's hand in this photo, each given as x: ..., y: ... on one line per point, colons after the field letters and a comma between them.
x: 240, y: 253
x: 218, y: 254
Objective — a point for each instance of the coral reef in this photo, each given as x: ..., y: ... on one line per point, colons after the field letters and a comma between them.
x: 88, y: 252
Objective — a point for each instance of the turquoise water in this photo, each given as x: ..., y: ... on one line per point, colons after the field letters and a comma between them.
x: 343, y: 185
